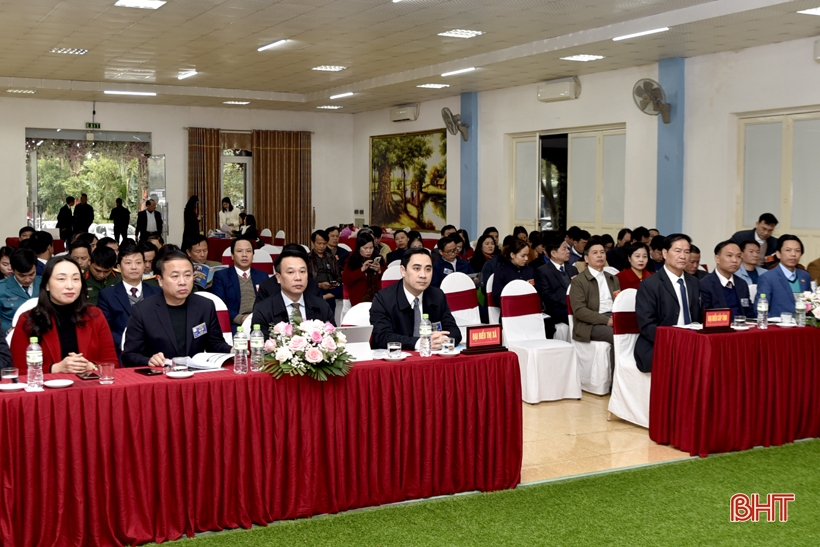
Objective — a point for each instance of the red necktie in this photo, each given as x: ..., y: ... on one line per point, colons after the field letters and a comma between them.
x: 245, y: 275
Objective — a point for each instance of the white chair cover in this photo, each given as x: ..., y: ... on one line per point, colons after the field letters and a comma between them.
x: 391, y: 276
x: 752, y: 292
x: 549, y: 369
x: 562, y: 332
x: 394, y: 264
x: 346, y: 247
x: 122, y: 340
x: 24, y: 307
x: 221, y: 313
x: 266, y: 232
x: 593, y: 361
x: 493, y: 309
x: 630, y: 386
x: 462, y: 300
x: 279, y: 238
x: 247, y: 325
x: 358, y: 315
x: 262, y: 259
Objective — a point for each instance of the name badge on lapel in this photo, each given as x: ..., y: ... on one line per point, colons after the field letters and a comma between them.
x: 744, y: 302
x: 199, y: 330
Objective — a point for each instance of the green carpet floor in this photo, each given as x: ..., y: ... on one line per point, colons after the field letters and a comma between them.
x: 680, y: 503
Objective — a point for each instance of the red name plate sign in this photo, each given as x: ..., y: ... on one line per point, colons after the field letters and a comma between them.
x: 719, y: 320
x: 483, y: 339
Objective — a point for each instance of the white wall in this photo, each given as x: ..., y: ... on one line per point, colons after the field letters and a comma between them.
x: 331, y: 147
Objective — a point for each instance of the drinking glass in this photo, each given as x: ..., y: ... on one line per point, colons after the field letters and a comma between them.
x: 106, y: 372
x: 448, y: 345
x: 786, y: 318
x: 9, y: 375
x: 394, y: 350
x: 740, y: 320
x: 179, y: 364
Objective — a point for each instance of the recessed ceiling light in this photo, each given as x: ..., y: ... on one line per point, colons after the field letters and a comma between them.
x: 341, y: 95
x: 188, y: 74
x: 462, y: 71
x: 461, y: 33
x: 69, y: 50
x: 138, y: 74
x: 272, y: 45
x: 583, y: 57
x: 136, y: 93
x: 236, y: 102
x: 329, y: 68
x: 434, y: 86
x: 23, y: 91
x: 812, y: 11
x: 143, y: 4
x: 330, y: 107
x: 637, y: 34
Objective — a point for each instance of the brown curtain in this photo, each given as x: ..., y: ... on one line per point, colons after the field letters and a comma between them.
x: 234, y: 141
x: 204, y: 150
x: 282, y: 183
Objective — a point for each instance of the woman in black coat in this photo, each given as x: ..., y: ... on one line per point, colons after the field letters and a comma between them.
x: 191, y: 218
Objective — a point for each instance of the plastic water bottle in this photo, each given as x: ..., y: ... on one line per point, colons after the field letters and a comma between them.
x: 763, y: 312
x: 240, y: 353
x: 34, y: 360
x: 800, y: 311
x: 257, y: 348
x: 426, y: 337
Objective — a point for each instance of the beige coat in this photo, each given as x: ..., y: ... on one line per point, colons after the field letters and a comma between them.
x: 584, y: 298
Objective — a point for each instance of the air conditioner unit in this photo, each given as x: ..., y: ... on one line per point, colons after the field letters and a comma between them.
x: 559, y: 90
x: 405, y: 113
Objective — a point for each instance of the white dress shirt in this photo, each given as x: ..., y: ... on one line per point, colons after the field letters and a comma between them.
x: 128, y: 288
x: 151, y: 223
x: 559, y: 266
x: 240, y: 273
x: 725, y: 280
x: 674, y: 279
x: 289, y: 305
x: 604, y: 295
x: 410, y: 299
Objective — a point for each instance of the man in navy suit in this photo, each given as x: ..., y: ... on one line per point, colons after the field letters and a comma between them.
x: 24, y: 283
x: 172, y: 323
x: 237, y: 286
x: 782, y: 282
x: 552, y: 280
x: 723, y: 289
x: 762, y: 233
x: 116, y: 301
x: 449, y: 262
x: 292, y: 299
x: 670, y: 297
x: 42, y: 243
x: 397, y: 310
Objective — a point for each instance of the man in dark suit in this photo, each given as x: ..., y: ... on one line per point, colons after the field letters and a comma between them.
x: 333, y: 244
x: 116, y: 301
x: 65, y: 220
x: 42, y: 243
x: 693, y: 263
x: 616, y: 256
x: 397, y: 310
x: 449, y: 262
x: 149, y: 221
x: 551, y: 282
x: 173, y: 323
x: 83, y: 215
x: 271, y: 285
x: 577, y: 240
x: 762, y: 233
x: 237, y: 286
x: 723, y: 289
x: 670, y: 297
x: 121, y: 218
x: 292, y: 299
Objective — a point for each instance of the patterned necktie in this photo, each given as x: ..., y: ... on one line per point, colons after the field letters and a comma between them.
x: 295, y: 316
x: 134, y: 292
x: 729, y: 285
x: 245, y: 276
x: 562, y: 270
x: 416, y: 316
x: 687, y: 319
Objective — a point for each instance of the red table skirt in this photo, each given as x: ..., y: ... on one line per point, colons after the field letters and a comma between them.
x: 724, y: 392
x: 217, y: 246
x: 153, y: 459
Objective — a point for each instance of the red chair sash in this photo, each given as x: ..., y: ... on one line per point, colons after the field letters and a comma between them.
x: 227, y: 260
x: 490, y: 303
x: 625, y: 322
x: 569, y: 306
x: 224, y: 320
x: 267, y: 240
x: 266, y: 267
x: 523, y: 304
x: 279, y: 241
x: 387, y: 282
x: 462, y: 300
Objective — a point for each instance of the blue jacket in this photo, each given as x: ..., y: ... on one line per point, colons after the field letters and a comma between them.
x: 713, y: 297
x: 226, y: 287
x: 744, y: 275
x: 778, y: 292
x: 116, y: 307
x: 441, y: 265
x: 12, y: 297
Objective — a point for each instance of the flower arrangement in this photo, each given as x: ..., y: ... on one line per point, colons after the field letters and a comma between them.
x: 309, y: 347
x: 812, y: 308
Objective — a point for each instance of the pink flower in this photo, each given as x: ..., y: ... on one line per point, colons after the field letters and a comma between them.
x: 328, y: 344
x: 270, y: 345
x: 329, y: 328
x: 298, y: 343
x: 316, y: 336
x: 288, y: 329
x: 314, y: 355
x: 280, y: 328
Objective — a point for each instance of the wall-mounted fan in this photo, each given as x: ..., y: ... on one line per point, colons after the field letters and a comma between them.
x: 453, y: 123
x: 651, y: 99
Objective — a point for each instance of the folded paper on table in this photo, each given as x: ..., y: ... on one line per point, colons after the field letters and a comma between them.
x: 208, y: 361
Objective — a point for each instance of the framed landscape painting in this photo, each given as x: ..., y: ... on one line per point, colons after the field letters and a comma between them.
x: 408, y: 181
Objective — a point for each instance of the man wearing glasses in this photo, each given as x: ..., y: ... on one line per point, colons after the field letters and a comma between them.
x: 450, y: 261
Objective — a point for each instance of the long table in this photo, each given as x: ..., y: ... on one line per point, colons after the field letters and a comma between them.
x: 155, y: 459
x: 716, y: 393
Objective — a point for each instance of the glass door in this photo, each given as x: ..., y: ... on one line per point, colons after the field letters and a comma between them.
x: 237, y: 181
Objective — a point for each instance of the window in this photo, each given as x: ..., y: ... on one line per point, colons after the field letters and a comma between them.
x: 596, y: 179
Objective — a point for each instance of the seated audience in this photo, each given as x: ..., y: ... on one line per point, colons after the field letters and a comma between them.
x: 693, y: 263
x: 19, y: 287
x: 721, y: 288
x: 149, y: 251
x: 653, y: 232
x: 156, y: 240
x: 749, y: 270
x: 271, y: 286
x: 249, y: 231
x: 229, y: 216
x: 292, y: 304
x: 5, y: 262
x: 492, y: 265
x: 466, y: 252
x: 552, y: 280
x: 196, y: 247
x: 90, y: 238
x: 784, y: 280
x: 641, y: 234
x: 513, y: 266
x: 813, y: 268
x: 402, y: 239
x: 109, y: 242
x: 414, y: 241
x: 485, y: 250
x: 379, y: 248
x: 609, y: 243
x: 237, y: 286
x: 324, y: 268
x: 397, y: 310
x: 25, y: 233
x: 637, y: 256
x: 116, y: 302
x: 536, y: 257
x: 74, y: 335
x: 616, y: 257
x: 333, y: 245
x: 80, y: 251
x: 762, y: 234
x: 450, y: 261
x: 577, y: 239
x: 591, y: 295
x: 492, y: 231
x: 42, y: 243
x: 173, y: 323
x: 672, y: 297
x: 656, y: 252
x: 446, y: 231
x: 101, y: 274
x: 362, y: 275
x: 624, y: 237
x: 520, y: 232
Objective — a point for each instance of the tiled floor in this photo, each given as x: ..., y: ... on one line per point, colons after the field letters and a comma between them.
x: 570, y: 437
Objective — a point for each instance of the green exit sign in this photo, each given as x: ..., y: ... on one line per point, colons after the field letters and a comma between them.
x: 90, y: 125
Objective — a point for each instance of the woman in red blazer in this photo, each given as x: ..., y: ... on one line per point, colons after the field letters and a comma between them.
x: 638, y: 256
x: 362, y: 276
x: 74, y: 336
